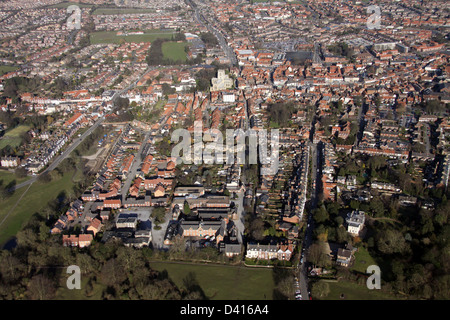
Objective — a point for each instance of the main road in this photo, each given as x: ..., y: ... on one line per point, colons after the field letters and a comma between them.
x: 223, y: 44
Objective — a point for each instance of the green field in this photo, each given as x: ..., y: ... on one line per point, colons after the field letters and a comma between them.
x: 112, y: 37
x: 354, y: 291
x: 13, y: 137
x: 6, y: 69
x: 223, y: 282
x: 174, y: 51
x: 35, y: 200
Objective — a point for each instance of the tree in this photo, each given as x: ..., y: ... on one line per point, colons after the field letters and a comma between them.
x: 321, y: 215
x: 392, y: 241
x: 256, y: 229
x: 41, y: 288
x: 342, y: 49
x: 122, y: 103
x: 158, y: 214
x: 286, y: 287
x: 178, y: 247
x: 209, y: 39
x: 130, y: 258
x: 167, y: 89
x: 281, y: 113
x: 11, y: 269
x: 86, y: 263
x: 186, y: 208
x: 45, y: 177
x: 317, y: 256
x: 354, y: 204
x: 339, y: 221
x: 341, y: 234
x: 27, y: 238
x: 113, y: 273
x: 179, y: 36
x: 44, y: 232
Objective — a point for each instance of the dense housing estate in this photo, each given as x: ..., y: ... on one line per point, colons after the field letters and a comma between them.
x: 361, y: 116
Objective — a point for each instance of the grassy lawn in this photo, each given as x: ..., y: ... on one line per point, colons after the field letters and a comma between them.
x: 6, y: 177
x: 35, y: 200
x: 13, y: 137
x: 6, y: 69
x: 354, y: 291
x: 112, y: 37
x: 362, y: 260
x: 174, y: 51
x: 224, y: 282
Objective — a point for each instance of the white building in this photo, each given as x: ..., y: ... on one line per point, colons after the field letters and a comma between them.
x: 355, y: 222
x: 222, y: 82
x: 10, y: 162
x: 229, y: 97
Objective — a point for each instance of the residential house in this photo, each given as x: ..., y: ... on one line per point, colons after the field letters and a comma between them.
x: 355, y: 222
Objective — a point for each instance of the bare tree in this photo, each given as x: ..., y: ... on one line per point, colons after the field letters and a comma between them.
x: 41, y: 288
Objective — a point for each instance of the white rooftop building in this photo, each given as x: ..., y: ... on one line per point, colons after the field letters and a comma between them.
x: 355, y: 222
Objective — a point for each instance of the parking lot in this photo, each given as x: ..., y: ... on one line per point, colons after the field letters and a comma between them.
x: 158, y: 235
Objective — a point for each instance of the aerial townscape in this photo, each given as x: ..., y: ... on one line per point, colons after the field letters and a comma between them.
x: 329, y: 121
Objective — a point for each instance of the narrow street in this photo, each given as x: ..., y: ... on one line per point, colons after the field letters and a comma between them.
x: 240, y: 216
x: 315, y: 189
x: 134, y: 167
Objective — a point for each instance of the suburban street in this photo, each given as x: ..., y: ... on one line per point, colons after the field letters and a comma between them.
x: 315, y: 177
x: 75, y: 143
x: 239, y: 222
x: 135, y: 166
x: 223, y: 44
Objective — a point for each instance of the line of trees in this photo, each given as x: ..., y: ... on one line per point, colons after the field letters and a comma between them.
x: 36, y: 269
